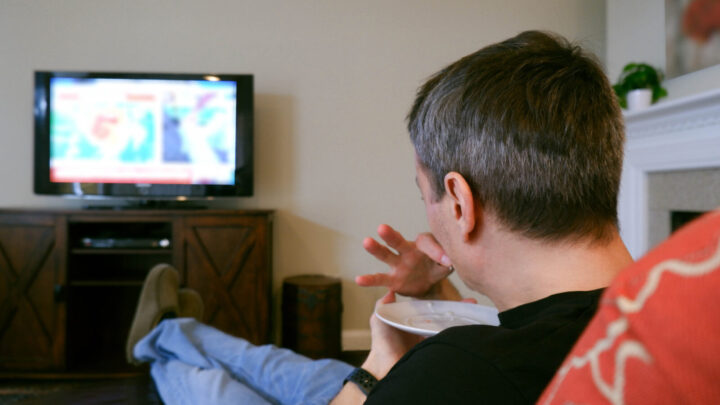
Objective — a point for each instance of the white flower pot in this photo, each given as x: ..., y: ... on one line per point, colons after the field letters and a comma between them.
x: 639, y: 99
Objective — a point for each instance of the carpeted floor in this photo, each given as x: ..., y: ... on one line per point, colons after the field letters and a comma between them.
x: 133, y: 390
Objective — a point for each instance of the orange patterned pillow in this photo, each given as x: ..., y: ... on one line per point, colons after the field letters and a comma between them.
x: 656, y: 336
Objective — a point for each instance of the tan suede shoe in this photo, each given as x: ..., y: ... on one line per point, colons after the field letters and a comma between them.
x: 159, y: 296
x: 190, y: 304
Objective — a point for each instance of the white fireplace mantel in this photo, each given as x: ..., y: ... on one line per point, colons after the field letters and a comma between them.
x: 674, y: 135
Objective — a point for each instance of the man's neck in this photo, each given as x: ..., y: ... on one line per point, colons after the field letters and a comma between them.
x: 516, y: 270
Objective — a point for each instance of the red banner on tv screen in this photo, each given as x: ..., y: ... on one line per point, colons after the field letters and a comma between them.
x: 121, y: 174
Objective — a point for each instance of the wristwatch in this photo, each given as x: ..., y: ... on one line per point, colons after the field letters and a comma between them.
x: 363, y: 379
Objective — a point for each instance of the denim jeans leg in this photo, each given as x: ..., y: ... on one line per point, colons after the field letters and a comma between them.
x: 273, y: 373
x: 182, y: 384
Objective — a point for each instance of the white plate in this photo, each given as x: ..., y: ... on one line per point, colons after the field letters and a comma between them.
x: 428, y: 317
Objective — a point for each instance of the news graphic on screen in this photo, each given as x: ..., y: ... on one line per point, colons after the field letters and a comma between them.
x: 112, y: 130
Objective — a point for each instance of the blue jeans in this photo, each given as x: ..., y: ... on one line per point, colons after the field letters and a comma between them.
x: 193, y: 363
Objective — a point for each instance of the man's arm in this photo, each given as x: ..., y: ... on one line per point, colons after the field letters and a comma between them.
x: 417, y: 268
x: 388, y: 346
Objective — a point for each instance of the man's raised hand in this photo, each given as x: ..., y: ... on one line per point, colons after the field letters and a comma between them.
x: 416, y: 267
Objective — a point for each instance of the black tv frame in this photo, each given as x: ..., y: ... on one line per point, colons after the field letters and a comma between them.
x: 244, y: 169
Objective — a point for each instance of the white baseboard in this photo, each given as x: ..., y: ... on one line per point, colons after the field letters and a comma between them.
x: 356, y: 339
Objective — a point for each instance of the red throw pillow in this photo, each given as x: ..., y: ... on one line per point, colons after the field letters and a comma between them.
x: 656, y: 336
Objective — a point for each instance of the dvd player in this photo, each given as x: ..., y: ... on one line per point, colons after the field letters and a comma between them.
x: 125, y: 243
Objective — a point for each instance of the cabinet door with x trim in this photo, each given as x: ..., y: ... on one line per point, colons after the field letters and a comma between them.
x: 32, y: 309
x: 227, y: 260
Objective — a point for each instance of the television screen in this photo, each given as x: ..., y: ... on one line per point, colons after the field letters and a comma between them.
x: 145, y: 135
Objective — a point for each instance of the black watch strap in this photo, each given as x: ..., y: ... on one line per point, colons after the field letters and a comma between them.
x: 363, y: 379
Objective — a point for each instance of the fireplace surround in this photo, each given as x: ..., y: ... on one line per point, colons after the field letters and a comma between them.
x: 677, y: 135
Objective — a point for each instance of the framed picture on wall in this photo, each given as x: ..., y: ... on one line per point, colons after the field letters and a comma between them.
x: 692, y: 31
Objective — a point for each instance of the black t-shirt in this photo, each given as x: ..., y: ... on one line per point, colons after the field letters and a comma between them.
x: 507, y: 364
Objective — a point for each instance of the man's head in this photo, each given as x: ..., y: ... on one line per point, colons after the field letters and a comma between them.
x: 533, y: 126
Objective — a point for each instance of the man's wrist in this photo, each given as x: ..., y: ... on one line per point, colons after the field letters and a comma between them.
x: 378, y: 366
x: 363, y: 379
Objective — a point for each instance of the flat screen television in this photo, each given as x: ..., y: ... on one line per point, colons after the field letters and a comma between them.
x: 143, y: 136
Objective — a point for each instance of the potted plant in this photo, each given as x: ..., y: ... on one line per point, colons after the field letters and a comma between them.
x: 639, y: 86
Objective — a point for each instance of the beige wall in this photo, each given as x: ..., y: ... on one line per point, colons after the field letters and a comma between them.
x: 334, y: 80
x: 636, y: 33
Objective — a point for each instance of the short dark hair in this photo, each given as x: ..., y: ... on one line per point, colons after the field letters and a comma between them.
x: 533, y: 125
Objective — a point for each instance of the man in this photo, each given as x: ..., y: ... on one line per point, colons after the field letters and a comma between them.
x: 518, y: 159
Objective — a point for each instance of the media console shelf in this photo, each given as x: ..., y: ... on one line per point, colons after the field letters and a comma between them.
x: 70, y: 280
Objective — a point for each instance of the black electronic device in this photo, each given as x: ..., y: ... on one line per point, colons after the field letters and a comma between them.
x: 125, y: 243
x: 143, y: 136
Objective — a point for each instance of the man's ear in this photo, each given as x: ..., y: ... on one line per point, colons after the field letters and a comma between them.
x: 462, y: 203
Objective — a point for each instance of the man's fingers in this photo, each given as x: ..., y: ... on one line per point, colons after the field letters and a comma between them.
x: 387, y: 298
x: 393, y: 238
x: 427, y: 244
x: 373, y: 280
x: 379, y: 251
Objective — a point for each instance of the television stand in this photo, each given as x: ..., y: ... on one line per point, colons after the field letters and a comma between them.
x: 70, y: 294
